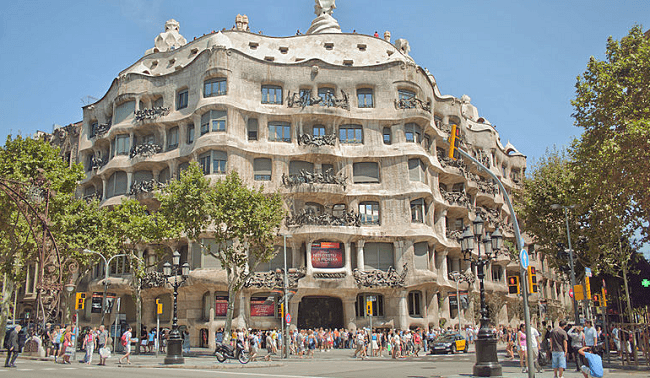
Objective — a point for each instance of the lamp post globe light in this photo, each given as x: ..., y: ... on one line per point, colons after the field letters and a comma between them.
x: 172, y: 273
x: 487, y: 364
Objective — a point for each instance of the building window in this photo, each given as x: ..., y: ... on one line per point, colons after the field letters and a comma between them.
x: 252, y: 129
x: 204, y: 162
x: 369, y: 213
x: 365, y: 173
x: 415, y: 303
x: 219, y: 162
x: 387, y: 135
x: 378, y: 256
x: 93, y: 128
x: 413, y: 133
x: 421, y: 255
x: 122, y: 144
x: 365, y: 98
x: 215, y: 87
x: 116, y: 185
x: 172, y: 138
x: 213, y: 120
x: 318, y: 131
x: 190, y: 134
x: 262, y: 169
x: 497, y: 273
x: 405, y: 94
x: 279, y: 132
x: 418, y: 210
x: 377, y: 304
x: 124, y: 111
x: 182, y: 99
x: 351, y: 134
x: 417, y: 170
x: 271, y: 94
x: 164, y: 175
x: 326, y: 95
x: 296, y: 167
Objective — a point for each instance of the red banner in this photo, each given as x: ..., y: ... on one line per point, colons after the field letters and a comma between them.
x: 326, y: 255
x: 221, y: 305
x: 260, y: 306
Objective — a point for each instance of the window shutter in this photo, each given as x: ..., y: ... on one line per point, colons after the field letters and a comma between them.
x: 120, y: 183
x: 123, y: 111
x: 262, y: 166
x: 421, y: 258
x: 297, y: 165
x: 366, y: 172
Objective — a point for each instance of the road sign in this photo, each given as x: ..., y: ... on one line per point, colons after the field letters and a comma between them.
x: 287, y: 318
x: 588, y: 272
x: 523, y: 258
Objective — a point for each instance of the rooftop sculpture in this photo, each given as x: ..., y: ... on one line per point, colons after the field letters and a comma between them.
x: 170, y: 39
x: 324, y: 22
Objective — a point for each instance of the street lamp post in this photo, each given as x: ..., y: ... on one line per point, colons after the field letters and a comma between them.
x: 487, y: 363
x: 106, y: 275
x: 573, y: 273
x: 174, y: 344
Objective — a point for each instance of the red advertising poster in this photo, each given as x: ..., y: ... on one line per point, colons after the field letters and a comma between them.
x: 326, y: 255
x: 261, y: 306
x: 221, y: 305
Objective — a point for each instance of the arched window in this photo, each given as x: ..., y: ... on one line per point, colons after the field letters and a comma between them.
x: 415, y: 303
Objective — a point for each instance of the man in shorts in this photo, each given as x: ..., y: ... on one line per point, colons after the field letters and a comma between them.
x: 126, y: 343
x: 559, y: 349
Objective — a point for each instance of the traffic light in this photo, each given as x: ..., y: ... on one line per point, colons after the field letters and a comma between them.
x: 532, y: 279
x: 281, y: 310
x: 454, y: 142
x: 513, y: 285
x: 596, y: 300
x: 80, y: 300
x: 603, y: 298
x: 587, y: 288
x: 159, y: 306
x: 369, y: 308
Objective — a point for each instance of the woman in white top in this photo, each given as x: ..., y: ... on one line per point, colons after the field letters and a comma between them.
x: 577, y: 335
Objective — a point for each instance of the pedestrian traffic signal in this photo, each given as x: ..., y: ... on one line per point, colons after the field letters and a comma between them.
x: 454, y: 142
x: 80, y: 300
x: 532, y: 279
x: 513, y: 285
x: 369, y: 308
x: 596, y: 300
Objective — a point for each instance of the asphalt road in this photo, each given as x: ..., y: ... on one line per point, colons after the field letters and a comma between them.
x: 327, y: 365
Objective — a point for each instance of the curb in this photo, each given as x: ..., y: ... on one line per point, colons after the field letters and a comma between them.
x: 205, y: 367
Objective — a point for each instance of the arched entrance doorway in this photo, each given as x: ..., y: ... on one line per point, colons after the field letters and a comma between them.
x: 318, y: 311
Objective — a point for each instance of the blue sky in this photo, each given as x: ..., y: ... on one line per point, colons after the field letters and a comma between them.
x: 517, y: 60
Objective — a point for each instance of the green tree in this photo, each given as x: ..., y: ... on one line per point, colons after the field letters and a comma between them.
x: 246, y: 222
x: 612, y: 106
x: 36, y: 163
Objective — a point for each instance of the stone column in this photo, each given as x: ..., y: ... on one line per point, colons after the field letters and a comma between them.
x: 310, y: 268
x: 398, y: 251
x: 402, y: 311
x: 131, y: 140
x: 129, y: 181
x: 104, y: 184
x: 348, y: 258
x: 349, y: 313
x: 360, y: 260
x: 441, y: 261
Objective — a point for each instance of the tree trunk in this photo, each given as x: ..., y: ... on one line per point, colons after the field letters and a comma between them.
x: 5, y: 302
x: 227, y: 329
x: 138, y: 313
x: 629, y: 309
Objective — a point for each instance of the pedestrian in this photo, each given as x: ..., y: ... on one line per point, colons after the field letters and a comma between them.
x: 534, y: 343
x: 102, y: 340
x: 55, y: 336
x: 89, y: 344
x: 13, y: 347
x: 594, y: 365
x: 591, y: 335
x: 67, y: 346
x: 186, y: 342
x: 522, y: 346
x: 577, y: 342
x: 559, y: 349
x: 126, y: 343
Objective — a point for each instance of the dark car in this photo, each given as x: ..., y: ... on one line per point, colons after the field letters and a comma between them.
x: 448, y: 344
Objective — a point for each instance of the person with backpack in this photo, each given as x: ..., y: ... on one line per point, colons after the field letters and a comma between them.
x: 126, y: 343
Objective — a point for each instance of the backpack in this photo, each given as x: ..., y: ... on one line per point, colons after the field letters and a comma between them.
x: 123, y: 339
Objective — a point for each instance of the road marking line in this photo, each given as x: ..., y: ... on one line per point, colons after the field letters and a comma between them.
x: 223, y: 371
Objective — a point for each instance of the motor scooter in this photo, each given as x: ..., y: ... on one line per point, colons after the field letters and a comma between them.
x: 224, y: 352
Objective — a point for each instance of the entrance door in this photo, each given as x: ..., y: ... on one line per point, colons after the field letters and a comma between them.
x: 316, y: 312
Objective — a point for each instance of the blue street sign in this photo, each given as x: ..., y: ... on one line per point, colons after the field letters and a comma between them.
x: 523, y: 258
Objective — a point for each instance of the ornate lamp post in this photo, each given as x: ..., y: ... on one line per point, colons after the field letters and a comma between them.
x: 174, y: 344
x: 487, y: 364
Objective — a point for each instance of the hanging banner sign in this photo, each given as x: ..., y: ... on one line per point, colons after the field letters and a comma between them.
x: 326, y: 255
x: 263, y: 306
x: 221, y: 305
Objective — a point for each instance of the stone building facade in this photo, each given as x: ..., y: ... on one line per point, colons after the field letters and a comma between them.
x: 351, y: 131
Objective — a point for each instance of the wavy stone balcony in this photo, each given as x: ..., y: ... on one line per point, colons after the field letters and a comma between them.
x: 145, y: 150
x: 149, y: 114
x: 412, y: 103
x: 307, y: 217
x: 457, y: 199
x: 310, y: 178
x: 317, y: 141
x: 147, y: 186
x: 328, y: 100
